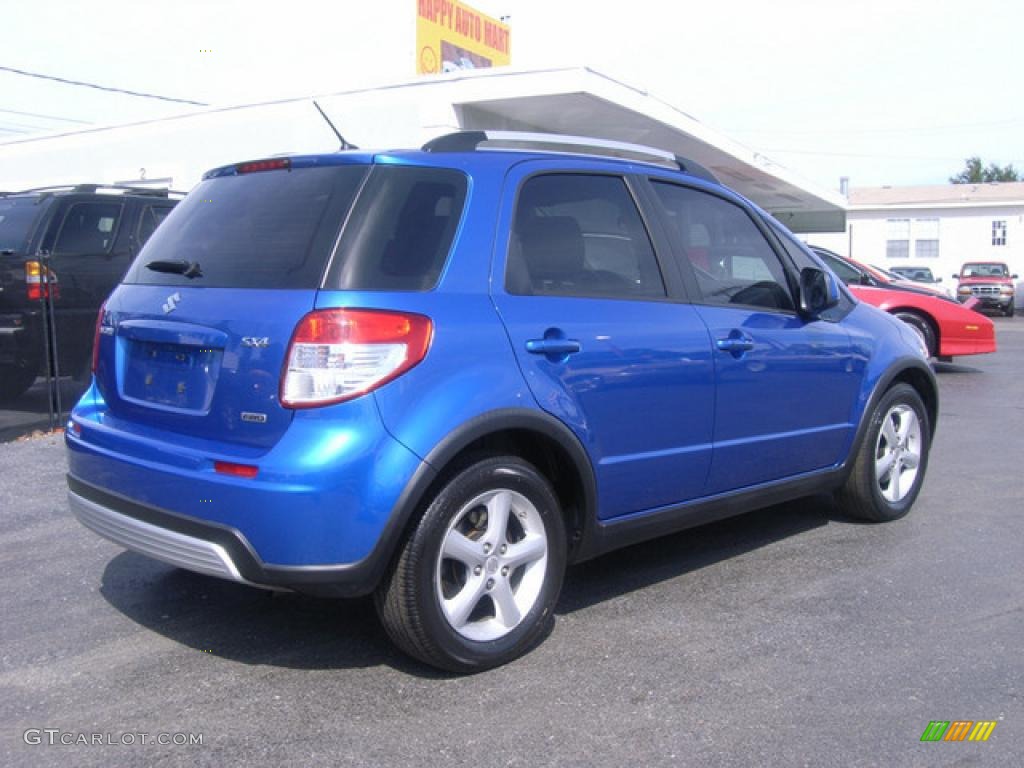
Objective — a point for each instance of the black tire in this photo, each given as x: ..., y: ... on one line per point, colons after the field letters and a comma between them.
x: 1009, y: 309
x: 923, y: 328
x: 864, y: 495
x: 15, y: 381
x: 409, y: 601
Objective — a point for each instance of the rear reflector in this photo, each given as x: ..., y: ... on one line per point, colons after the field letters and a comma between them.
x: 264, y: 165
x: 339, y: 354
x: 235, y: 470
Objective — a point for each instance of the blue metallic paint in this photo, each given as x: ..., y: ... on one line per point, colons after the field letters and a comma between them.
x: 783, y: 407
x: 323, y: 495
x: 640, y: 396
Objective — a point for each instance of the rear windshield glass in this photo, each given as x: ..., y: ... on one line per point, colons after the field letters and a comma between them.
x: 400, y: 231
x: 270, y: 229
x: 16, y: 219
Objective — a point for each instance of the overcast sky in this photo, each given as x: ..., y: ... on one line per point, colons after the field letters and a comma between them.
x: 885, y: 92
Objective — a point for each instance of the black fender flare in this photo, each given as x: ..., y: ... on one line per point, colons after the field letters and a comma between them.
x: 895, y: 371
x: 432, y: 467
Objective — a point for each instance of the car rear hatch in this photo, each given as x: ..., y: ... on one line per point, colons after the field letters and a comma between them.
x: 195, y: 339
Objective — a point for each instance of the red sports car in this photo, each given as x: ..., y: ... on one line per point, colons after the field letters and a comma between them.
x: 947, y: 327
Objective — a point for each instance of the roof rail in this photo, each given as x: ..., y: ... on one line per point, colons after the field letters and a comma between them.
x: 127, y: 189
x: 93, y: 188
x: 470, y: 141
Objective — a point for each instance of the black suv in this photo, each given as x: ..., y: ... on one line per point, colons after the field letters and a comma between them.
x: 62, y: 251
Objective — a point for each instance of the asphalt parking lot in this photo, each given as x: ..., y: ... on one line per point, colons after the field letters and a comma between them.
x: 34, y: 409
x: 787, y: 637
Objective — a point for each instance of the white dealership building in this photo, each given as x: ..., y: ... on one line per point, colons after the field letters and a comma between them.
x: 939, y: 227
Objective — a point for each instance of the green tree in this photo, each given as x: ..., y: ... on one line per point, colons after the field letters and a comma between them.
x: 976, y: 173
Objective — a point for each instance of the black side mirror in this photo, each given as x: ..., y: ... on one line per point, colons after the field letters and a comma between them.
x: 956, y: 277
x: 818, y: 291
x: 1013, y: 277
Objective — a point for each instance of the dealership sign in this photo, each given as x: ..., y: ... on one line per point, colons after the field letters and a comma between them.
x: 452, y: 36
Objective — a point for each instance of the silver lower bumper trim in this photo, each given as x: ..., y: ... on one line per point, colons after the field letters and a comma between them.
x: 169, y: 546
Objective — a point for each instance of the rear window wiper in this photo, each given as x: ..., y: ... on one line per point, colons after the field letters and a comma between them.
x: 187, y: 268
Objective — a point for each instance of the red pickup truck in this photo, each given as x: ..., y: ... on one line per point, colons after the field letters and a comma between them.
x: 990, y: 282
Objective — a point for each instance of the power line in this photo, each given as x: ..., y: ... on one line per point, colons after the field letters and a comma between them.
x: 23, y: 125
x: 45, y: 117
x: 100, y: 87
x: 851, y: 131
x: 859, y: 154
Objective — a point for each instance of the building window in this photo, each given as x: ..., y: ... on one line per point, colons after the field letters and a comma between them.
x: 926, y: 238
x: 999, y: 233
x: 897, y: 244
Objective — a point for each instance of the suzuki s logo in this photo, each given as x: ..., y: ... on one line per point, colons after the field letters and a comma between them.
x: 172, y: 303
x: 255, y: 341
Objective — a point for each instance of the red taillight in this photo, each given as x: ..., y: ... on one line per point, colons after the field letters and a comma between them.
x: 40, y: 282
x: 235, y: 470
x: 264, y: 165
x: 339, y: 354
x: 96, y: 338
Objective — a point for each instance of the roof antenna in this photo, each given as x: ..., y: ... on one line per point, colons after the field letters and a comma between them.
x: 344, y: 144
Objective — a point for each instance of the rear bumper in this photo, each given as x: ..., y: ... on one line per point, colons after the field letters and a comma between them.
x: 323, y: 515
x: 209, y: 548
x: 193, y: 552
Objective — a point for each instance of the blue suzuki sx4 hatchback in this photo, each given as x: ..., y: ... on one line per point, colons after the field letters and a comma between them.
x: 440, y: 376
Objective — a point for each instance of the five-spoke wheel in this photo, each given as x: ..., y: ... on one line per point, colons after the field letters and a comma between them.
x: 898, y: 453
x: 887, y: 474
x: 477, y: 580
x: 491, y: 569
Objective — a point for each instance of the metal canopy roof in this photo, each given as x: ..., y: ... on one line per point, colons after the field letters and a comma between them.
x: 598, y: 106
x: 574, y: 100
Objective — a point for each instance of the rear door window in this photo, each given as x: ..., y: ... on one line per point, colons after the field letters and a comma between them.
x: 401, y: 230
x: 88, y: 228
x: 580, y: 235
x: 269, y: 229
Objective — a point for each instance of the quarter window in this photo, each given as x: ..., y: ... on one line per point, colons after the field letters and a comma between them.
x: 400, y: 231
x: 730, y: 258
x: 580, y: 235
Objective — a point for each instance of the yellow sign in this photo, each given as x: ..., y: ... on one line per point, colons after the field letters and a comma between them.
x: 452, y: 36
